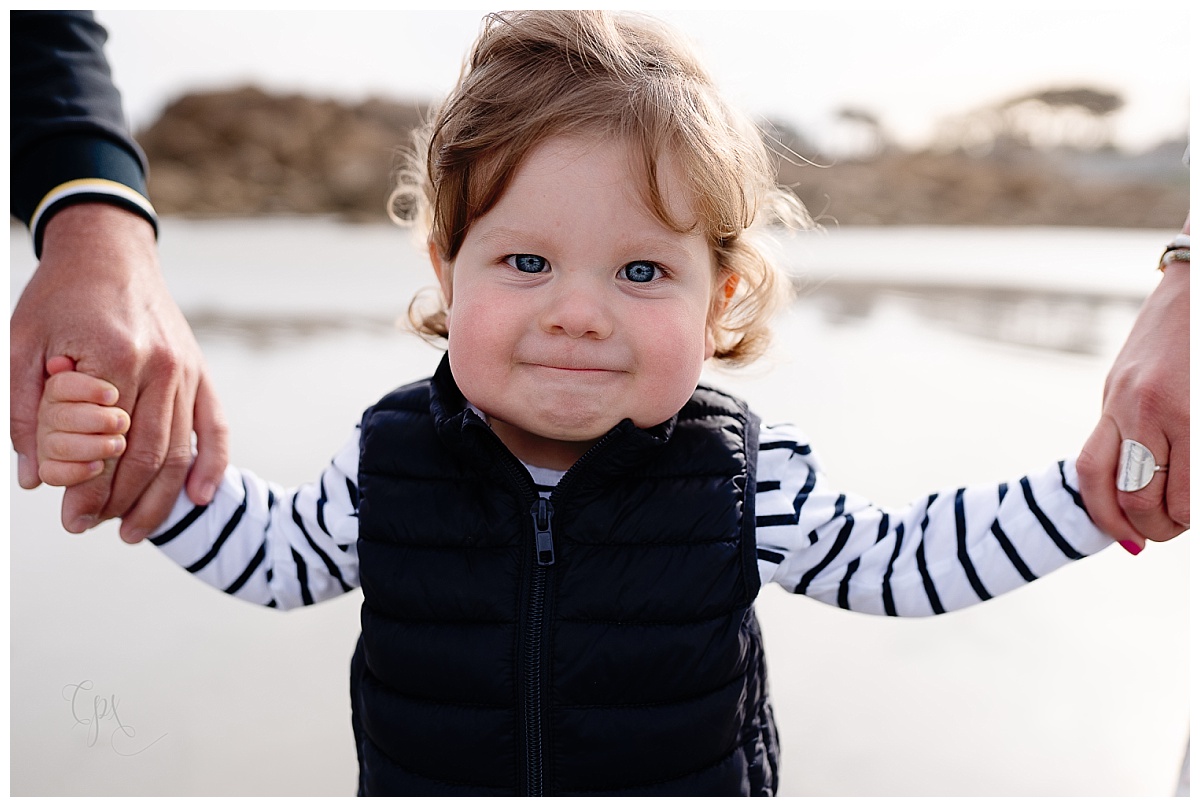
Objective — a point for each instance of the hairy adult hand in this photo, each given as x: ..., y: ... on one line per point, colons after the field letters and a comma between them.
x: 98, y: 297
x: 1146, y: 399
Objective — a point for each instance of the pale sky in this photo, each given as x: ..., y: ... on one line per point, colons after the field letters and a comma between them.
x: 911, y: 64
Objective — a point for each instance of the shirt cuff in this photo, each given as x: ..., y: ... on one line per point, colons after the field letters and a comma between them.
x: 73, y: 169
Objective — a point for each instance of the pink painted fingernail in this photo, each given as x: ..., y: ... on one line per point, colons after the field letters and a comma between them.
x: 1130, y: 547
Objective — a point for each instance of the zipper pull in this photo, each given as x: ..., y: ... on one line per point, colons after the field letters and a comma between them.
x: 542, y: 512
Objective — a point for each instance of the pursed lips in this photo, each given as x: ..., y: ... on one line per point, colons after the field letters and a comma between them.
x: 571, y: 367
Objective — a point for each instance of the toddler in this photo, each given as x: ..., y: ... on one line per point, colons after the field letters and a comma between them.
x: 560, y: 535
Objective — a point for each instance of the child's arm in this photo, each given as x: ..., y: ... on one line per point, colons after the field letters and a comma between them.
x: 282, y: 548
x: 945, y: 551
x: 275, y: 547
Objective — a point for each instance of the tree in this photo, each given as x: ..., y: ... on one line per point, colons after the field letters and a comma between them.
x: 1077, y: 117
x: 868, y: 122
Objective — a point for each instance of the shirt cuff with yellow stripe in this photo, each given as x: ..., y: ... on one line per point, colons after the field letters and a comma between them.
x: 73, y: 169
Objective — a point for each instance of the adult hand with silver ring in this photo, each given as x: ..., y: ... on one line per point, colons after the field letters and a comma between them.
x: 1146, y: 402
x: 1137, y: 466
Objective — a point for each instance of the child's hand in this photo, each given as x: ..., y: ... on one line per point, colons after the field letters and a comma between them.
x: 79, y: 425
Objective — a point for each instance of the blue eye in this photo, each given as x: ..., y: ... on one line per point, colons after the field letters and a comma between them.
x: 527, y: 263
x: 641, y: 271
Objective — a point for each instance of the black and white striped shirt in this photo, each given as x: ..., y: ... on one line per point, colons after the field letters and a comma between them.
x: 287, y: 548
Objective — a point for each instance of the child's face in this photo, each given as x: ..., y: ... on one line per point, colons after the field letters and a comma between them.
x: 573, y: 307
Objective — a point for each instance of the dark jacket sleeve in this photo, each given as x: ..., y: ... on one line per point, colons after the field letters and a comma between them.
x: 66, y: 121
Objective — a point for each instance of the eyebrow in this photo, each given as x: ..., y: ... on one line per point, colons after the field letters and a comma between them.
x: 654, y: 246
x: 499, y: 234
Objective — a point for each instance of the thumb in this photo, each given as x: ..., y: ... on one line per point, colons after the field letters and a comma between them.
x: 212, y: 444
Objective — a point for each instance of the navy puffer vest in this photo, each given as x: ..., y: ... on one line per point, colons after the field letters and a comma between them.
x: 601, y: 642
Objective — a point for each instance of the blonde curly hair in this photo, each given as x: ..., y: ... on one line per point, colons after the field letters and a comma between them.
x: 534, y: 75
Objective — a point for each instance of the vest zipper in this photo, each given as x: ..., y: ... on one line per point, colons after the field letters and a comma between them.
x: 542, y: 511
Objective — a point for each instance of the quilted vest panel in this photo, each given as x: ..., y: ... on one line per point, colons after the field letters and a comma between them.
x: 603, y: 642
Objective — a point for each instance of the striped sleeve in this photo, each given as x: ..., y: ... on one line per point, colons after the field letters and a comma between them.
x: 270, y: 546
x: 948, y: 550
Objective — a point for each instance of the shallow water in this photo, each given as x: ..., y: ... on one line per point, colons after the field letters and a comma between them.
x: 902, y: 364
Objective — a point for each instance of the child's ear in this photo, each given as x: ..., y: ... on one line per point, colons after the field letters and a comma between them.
x: 727, y: 290
x: 727, y: 285
x: 443, y: 269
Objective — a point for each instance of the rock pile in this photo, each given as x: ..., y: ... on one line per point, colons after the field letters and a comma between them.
x: 246, y: 152
x: 1027, y: 189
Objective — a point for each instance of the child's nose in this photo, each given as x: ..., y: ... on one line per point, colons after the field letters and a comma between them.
x: 577, y: 309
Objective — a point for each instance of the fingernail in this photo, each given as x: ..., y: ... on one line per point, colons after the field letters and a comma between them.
x: 135, y: 535
x: 27, y: 475
x: 208, y: 491
x: 110, y: 396
x: 1130, y: 547
x: 83, y: 523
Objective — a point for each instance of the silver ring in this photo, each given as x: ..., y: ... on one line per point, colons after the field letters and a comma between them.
x: 1136, y: 467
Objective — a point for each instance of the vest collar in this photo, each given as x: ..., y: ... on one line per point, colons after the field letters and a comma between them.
x: 625, y: 445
